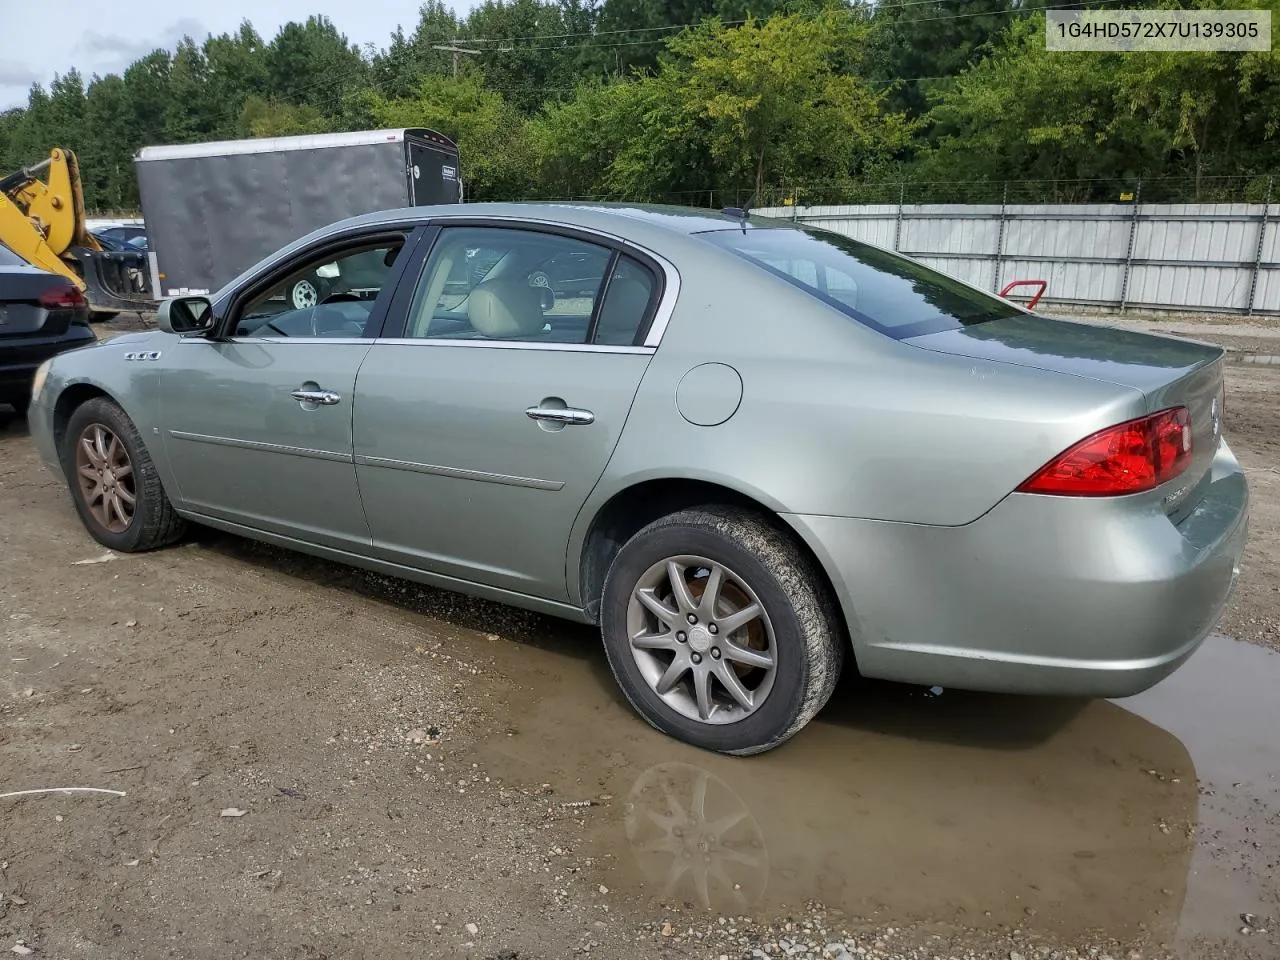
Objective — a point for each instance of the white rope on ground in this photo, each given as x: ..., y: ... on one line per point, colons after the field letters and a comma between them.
x: 27, y: 793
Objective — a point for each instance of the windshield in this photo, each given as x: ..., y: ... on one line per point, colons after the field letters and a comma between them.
x: 8, y: 258
x: 882, y: 290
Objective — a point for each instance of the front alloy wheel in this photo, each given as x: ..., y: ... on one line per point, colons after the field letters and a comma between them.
x: 105, y: 474
x: 113, y: 480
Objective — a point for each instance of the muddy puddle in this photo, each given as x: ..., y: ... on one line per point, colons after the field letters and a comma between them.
x: 1155, y: 816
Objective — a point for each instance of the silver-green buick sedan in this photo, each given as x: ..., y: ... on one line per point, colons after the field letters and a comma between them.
x: 747, y: 449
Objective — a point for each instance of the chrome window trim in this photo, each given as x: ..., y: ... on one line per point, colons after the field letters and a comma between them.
x: 661, y: 317
x: 670, y: 288
x: 667, y: 305
x: 264, y: 340
x: 514, y: 345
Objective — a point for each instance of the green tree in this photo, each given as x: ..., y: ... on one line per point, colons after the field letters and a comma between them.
x: 489, y: 131
x: 237, y: 70
x: 146, y: 83
x: 773, y: 105
x: 312, y: 63
x: 191, y: 114
x: 918, y: 47
x: 275, y: 118
x: 397, y: 70
x: 106, y: 150
x: 633, y: 33
x: 522, y: 43
x: 1027, y: 113
x: 616, y: 140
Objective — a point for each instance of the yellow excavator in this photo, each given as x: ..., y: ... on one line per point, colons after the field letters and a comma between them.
x: 42, y: 221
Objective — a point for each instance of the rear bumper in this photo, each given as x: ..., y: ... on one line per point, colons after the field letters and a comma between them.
x: 19, y: 358
x: 1047, y: 595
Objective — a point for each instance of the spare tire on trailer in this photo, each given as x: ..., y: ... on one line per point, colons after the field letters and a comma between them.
x: 305, y: 294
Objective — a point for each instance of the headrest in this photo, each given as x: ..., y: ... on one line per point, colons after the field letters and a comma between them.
x: 502, y: 308
x: 624, y: 306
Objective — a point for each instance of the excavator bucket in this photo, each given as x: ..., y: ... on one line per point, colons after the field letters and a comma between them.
x: 43, y: 222
x: 114, y: 280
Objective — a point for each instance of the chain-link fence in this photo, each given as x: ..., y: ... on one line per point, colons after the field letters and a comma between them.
x: 1206, y: 189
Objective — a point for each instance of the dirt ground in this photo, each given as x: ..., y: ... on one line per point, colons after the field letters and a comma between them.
x: 313, y: 762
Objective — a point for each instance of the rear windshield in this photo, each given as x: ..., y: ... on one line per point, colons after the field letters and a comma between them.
x: 886, y: 292
x: 8, y: 258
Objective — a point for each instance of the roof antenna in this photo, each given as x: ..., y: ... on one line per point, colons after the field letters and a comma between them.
x: 742, y: 213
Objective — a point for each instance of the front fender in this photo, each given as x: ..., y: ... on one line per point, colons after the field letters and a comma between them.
x: 128, y: 369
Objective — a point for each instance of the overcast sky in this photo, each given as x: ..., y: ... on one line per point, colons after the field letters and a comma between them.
x: 97, y: 37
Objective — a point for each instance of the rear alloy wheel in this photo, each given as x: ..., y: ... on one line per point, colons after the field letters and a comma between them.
x: 720, y: 630
x: 113, y: 480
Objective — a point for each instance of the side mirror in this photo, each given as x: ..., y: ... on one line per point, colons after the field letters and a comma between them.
x: 328, y: 271
x: 185, y: 316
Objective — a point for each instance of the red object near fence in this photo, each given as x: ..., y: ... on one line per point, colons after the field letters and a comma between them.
x: 1042, y: 284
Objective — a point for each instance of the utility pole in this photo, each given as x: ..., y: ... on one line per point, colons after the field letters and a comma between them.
x: 455, y: 50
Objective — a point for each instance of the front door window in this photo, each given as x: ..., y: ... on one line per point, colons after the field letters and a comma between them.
x: 330, y: 296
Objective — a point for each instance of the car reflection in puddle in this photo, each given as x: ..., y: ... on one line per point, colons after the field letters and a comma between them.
x: 1066, y: 817
x: 696, y: 839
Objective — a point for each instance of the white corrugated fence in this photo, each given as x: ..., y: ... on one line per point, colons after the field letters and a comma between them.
x: 1201, y: 257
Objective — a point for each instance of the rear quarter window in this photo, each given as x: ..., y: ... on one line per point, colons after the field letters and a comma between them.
x: 884, y: 291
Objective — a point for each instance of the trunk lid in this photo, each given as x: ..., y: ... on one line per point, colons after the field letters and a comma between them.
x: 1168, y: 372
x: 21, y: 313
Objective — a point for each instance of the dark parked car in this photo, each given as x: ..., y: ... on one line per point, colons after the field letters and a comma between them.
x: 123, y: 234
x: 41, y: 314
x: 110, y: 241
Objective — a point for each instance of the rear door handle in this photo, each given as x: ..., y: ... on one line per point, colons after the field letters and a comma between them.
x: 325, y: 398
x: 560, y: 414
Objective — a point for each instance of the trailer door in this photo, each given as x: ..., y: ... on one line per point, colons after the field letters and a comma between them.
x: 433, y: 174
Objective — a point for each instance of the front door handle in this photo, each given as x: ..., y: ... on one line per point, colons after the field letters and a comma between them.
x: 560, y: 415
x: 325, y: 398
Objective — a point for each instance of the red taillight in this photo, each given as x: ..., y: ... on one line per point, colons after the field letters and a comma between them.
x: 65, y: 298
x: 1127, y: 458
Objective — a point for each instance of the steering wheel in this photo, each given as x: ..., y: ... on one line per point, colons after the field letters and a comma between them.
x: 342, y: 297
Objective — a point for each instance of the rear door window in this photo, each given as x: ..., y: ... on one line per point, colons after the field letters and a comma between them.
x: 882, y: 290
x: 493, y: 283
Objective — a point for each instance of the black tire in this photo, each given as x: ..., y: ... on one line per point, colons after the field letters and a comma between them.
x: 155, y: 523
x: 810, y: 640
x: 20, y: 405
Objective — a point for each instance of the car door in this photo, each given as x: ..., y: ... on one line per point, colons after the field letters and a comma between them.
x: 257, y: 419
x: 481, y: 429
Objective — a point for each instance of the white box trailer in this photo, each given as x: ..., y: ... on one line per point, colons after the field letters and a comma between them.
x: 214, y: 209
